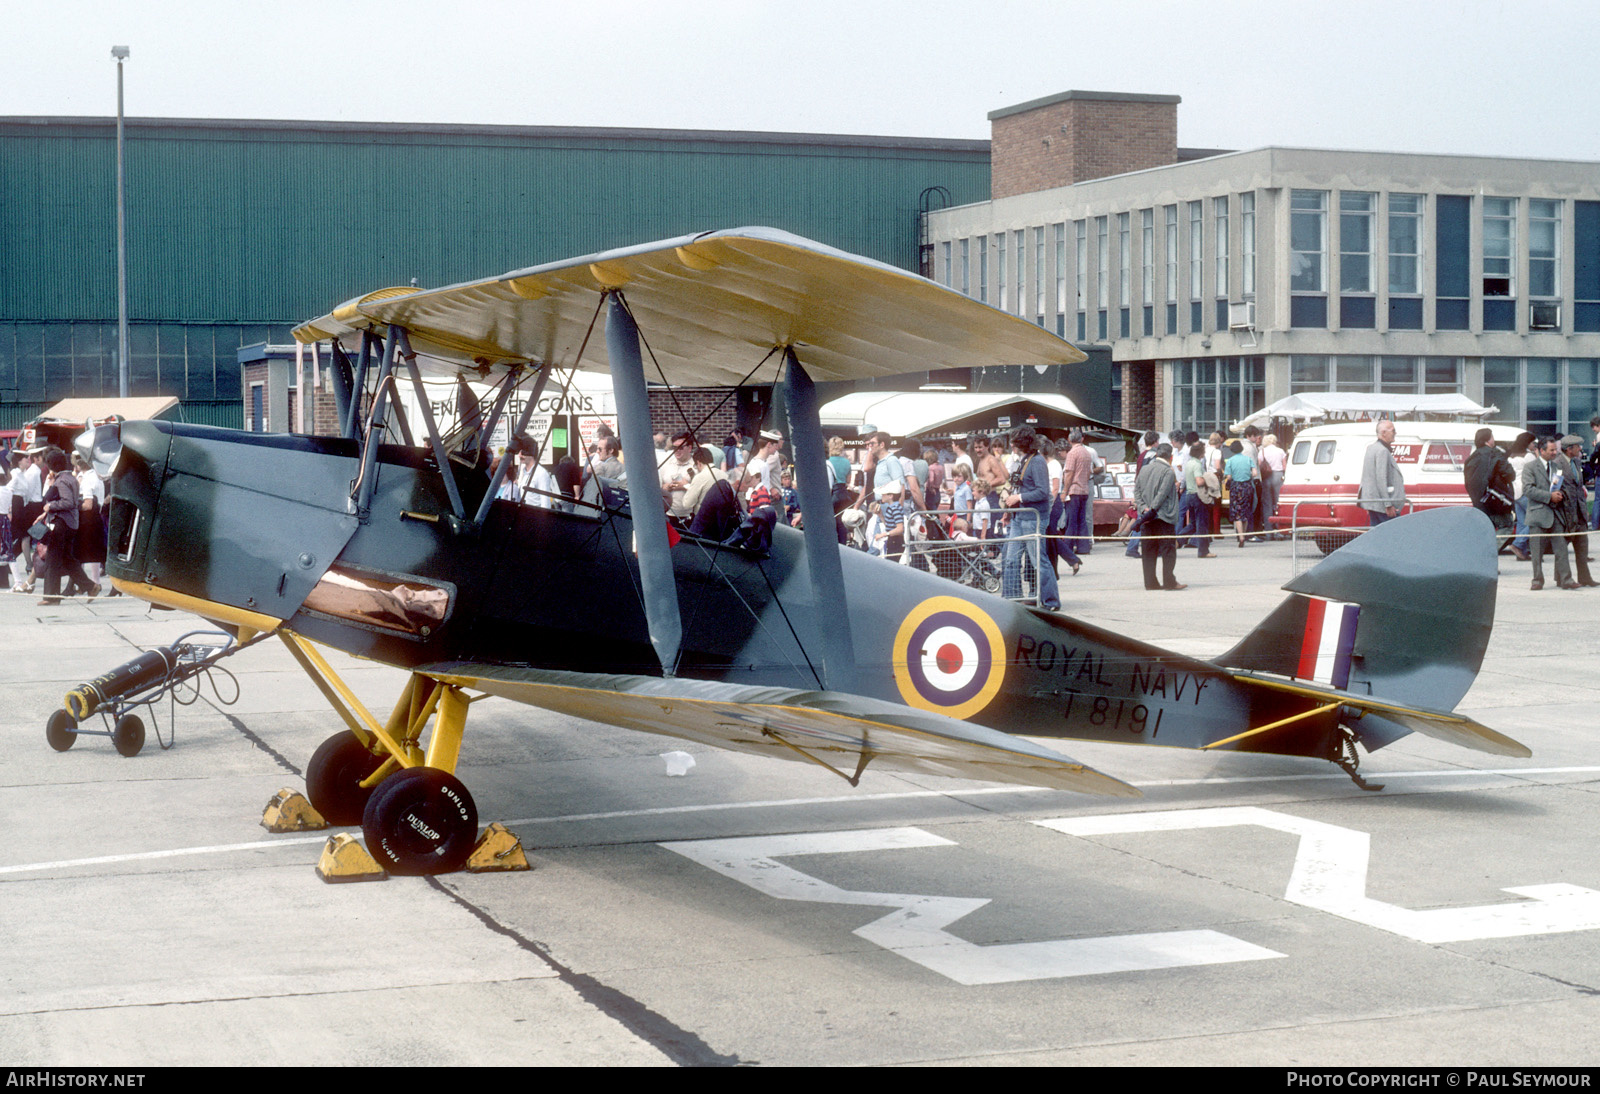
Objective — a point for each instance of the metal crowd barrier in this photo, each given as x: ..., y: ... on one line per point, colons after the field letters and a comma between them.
x: 1325, y: 538
x: 975, y: 563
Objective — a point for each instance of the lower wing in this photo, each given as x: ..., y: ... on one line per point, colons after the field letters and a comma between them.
x: 841, y: 732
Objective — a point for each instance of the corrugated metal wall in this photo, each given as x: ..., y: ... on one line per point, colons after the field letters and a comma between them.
x: 274, y: 223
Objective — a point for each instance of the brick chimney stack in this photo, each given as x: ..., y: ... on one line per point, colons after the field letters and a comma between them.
x: 1079, y: 135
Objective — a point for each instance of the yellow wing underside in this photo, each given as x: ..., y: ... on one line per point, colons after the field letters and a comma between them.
x: 1456, y: 729
x: 821, y: 726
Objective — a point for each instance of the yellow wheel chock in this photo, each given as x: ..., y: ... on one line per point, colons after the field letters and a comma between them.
x: 497, y: 849
x: 289, y: 811
x: 344, y: 859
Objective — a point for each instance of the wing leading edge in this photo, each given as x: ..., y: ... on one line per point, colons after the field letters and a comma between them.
x: 712, y: 304
x: 830, y: 727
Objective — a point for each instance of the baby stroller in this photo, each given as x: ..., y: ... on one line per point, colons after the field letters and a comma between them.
x: 966, y: 562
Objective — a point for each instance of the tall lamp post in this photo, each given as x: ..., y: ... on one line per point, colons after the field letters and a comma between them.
x: 120, y: 53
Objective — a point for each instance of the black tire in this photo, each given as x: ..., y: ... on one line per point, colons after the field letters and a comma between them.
x: 1329, y: 542
x: 61, y: 730
x: 333, y: 778
x: 421, y: 821
x: 128, y: 735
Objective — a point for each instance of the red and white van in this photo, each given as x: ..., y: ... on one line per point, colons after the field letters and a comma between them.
x: 1323, y: 475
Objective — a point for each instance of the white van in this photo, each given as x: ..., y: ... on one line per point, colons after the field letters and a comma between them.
x: 1323, y: 475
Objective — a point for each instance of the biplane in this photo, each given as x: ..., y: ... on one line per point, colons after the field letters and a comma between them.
x: 389, y: 542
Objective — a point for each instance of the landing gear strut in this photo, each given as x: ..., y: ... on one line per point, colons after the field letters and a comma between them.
x: 417, y: 817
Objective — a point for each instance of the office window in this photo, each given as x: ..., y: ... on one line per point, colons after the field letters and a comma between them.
x: 1147, y: 264
x: 1405, y: 244
x: 1102, y: 231
x: 1147, y: 253
x: 1196, y: 251
x: 1124, y: 271
x: 1061, y: 279
x: 1357, y: 308
x: 1543, y: 394
x: 1405, y: 261
x: 1544, y: 248
x: 1038, y: 275
x: 1083, y: 279
x: 1397, y: 375
x: 1219, y: 213
x: 1172, y: 269
x: 1499, y: 246
x: 1210, y: 392
x: 1001, y: 300
x: 966, y: 267
x: 1499, y: 263
x: 944, y: 264
x: 1247, y: 245
x: 1355, y: 241
x: 1019, y: 249
x: 1196, y: 265
x: 1308, y: 241
x: 1124, y: 259
x: 983, y: 268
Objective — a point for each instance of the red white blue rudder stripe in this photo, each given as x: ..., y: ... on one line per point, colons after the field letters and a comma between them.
x: 1327, y: 642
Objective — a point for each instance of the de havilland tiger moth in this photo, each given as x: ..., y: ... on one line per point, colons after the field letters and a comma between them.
x: 389, y: 543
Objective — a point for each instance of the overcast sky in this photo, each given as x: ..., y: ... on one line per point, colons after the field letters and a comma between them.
x: 1481, y: 77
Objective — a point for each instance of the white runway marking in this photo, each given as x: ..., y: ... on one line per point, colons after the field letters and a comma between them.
x: 916, y: 928
x: 789, y: 803
x: 1330, y: 875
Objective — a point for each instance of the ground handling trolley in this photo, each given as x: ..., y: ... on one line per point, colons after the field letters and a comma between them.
x: 141, y: 682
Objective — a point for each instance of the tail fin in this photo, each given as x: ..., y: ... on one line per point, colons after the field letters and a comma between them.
x: 1402, y: 614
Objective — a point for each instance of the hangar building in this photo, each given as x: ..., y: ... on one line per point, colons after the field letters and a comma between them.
x: 238, y: 230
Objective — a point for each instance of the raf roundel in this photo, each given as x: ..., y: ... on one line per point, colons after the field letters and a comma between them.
x: 949, y: 657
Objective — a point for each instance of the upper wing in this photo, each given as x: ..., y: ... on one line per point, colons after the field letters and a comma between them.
x: 842, y: 730
x: 713, y: 304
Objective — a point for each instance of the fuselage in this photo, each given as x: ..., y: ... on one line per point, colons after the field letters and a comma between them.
x: 264, y: 524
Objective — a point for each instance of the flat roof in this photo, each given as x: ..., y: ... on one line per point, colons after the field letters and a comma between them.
x: 1092, y: 96
x: 526, y: 132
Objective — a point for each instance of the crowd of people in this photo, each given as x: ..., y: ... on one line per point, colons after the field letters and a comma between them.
x: 1537, y: 491
x: 1187, y: 491
x: 52, y: 526
x: 1018, y: 490
x: 1029, y: 495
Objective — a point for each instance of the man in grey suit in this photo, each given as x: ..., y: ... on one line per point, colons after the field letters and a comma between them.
x: 1155, y: 496
x: 1383, y: 491
x: 1542, y: 479
x: 1575, y: 510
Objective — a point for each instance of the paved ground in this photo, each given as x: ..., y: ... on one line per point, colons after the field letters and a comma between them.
x: 1248, y: 910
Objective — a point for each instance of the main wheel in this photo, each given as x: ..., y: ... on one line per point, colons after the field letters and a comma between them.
x: 333, y: 778
x: 128, y: 735
x: 420, y: 821
x: 61, y: 730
